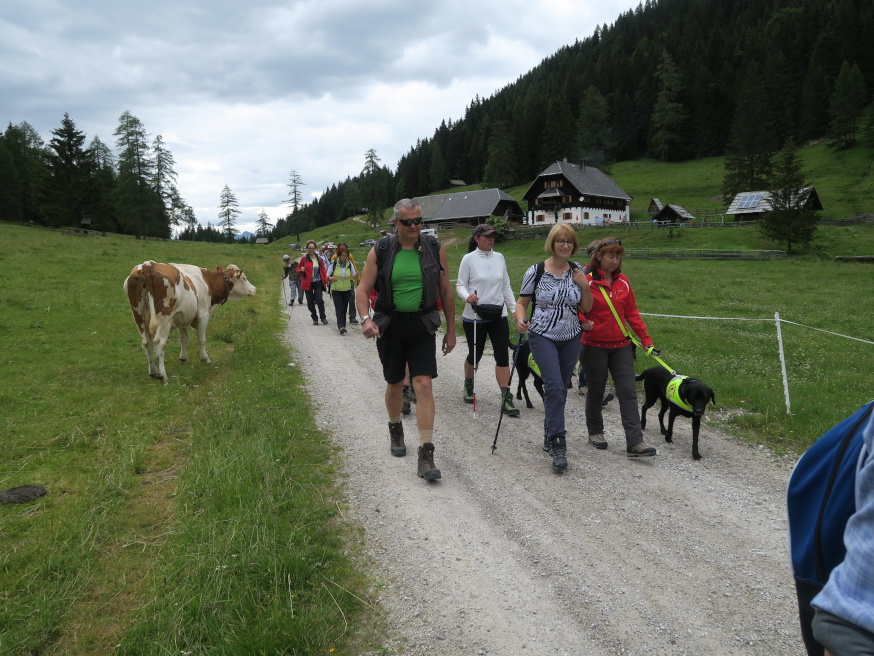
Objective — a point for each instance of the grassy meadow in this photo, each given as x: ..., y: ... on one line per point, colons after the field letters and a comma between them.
x: 205, y: 516
x: 200, y: 516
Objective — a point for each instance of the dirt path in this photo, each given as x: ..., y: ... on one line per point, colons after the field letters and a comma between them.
x: 502, y: 556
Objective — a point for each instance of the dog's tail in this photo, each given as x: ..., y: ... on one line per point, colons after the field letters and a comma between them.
x: 640, y: 377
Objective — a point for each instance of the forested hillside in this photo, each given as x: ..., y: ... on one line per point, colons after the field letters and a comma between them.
x: 672, y: 79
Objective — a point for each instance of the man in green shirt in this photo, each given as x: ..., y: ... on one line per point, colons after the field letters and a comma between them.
x: 408, y: 271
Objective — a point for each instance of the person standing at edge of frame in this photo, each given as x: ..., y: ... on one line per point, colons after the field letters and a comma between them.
x: 407, y: 270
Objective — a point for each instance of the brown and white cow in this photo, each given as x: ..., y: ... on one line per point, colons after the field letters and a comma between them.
x: 167, y: 296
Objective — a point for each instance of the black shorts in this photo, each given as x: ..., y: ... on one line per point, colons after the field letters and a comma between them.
x: 407, y: 341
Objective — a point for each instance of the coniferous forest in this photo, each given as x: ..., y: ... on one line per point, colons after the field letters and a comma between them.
x: 670, y: 79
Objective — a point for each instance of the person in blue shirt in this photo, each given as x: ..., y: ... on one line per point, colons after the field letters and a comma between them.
x: 844, y: 610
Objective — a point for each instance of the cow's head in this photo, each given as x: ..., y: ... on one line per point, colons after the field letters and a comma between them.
x: 240, y: 286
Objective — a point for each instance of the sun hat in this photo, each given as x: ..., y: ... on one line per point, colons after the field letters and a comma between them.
x: 483, y: 230
x: 286, y: 257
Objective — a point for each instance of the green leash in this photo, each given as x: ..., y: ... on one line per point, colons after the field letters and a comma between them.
x: 649, y: 350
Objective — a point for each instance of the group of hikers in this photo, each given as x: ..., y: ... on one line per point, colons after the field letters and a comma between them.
x: 581, y: 313
x: 576, y: 319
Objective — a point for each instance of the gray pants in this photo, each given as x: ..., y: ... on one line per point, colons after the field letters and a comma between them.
x: 295, y: 288
x: 620, y: 363
x: 840, y: 637
x: 556, y: 362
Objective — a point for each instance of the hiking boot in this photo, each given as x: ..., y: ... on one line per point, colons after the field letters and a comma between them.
x: 408, y: 391
x: 607, y: 398
x: 507, y: 405
x: 396, y: 435
x: 640, y: 450
x: 325, y: 322
x: 558, y: 451
x: 353, y: 321
x: 343, y: 330
x: 315, y: 322
x: 597, y: 440
x: 468, y: 390
x: 291, y: 303
x: 427, y: 469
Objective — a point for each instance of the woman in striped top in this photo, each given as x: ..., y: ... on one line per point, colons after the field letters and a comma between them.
x: 554, y: 330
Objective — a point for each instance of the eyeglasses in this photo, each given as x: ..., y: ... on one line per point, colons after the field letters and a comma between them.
x: 564, y: 242
x: 409, y: 222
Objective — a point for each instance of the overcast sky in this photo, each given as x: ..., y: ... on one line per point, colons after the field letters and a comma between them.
x: 245, y: 92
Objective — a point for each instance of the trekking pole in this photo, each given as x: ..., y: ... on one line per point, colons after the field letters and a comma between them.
x: 519, y: 341
x: 475, y: 363
x: 284, y: 297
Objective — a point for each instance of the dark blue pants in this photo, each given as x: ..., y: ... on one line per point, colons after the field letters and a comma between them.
x: 314, y: 300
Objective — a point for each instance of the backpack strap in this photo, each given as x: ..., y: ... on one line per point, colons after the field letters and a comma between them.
x: 538, y: 274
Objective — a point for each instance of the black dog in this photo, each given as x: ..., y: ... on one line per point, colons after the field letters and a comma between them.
x: 524, y: 370
x: 691, y: 391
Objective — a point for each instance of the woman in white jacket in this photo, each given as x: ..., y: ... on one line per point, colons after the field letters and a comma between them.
x: 484, y: 285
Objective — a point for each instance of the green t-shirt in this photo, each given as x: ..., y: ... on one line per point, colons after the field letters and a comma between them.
x: 406, y: 281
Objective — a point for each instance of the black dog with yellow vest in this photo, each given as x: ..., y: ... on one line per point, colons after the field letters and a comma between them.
x: 683, y: 395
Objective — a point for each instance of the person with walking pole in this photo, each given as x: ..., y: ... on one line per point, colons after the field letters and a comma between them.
x: 520, y: 339
x: 558, y: 290
x: 409, y: 271
x: 484, y: 285
x: 290, y: 273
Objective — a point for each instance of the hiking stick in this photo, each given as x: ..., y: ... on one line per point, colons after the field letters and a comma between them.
x: 475, y: 363
x: 519, y: 341
x: 285, y: 298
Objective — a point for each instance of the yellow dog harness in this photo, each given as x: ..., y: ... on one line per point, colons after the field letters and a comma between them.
x: 673, y: 392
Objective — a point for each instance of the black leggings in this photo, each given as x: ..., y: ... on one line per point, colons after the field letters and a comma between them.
x: 497, y: 331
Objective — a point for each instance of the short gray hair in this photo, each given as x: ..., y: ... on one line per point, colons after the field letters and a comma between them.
x: 403, y: 204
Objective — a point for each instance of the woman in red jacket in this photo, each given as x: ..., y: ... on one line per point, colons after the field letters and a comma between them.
x: 607, y: 348
x: 314, y: 280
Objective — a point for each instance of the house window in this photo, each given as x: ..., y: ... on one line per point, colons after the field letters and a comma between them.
x: 585, y: 216
x: 540, y: 218
x: 567, y: 216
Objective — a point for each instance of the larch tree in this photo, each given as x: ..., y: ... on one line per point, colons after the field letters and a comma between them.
x: 229, y: 210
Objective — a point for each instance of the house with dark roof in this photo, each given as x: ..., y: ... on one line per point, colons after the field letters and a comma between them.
x: 673, y: 214
x: 655, y: 206
x: 750, y: 205
x: 468, y: 207
x: 575, y: 194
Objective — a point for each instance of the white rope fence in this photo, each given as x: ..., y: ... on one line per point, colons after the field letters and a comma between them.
x: 777, y: 320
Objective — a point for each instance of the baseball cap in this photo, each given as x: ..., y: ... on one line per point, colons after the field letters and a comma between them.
x: 286, y: 257
x: 483, y: 230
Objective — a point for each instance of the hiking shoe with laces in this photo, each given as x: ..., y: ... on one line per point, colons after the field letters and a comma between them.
x: 597, y: 440
x: 507, y: 405
x: 607, y: 398
x: 427, y: 469
x: 558, y: 451
x: 640, y: 450
x: 396, y: 436
x: 468, y: 391
x: 405, y: 409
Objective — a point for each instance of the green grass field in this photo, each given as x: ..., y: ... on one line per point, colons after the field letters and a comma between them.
x: 205, y: 515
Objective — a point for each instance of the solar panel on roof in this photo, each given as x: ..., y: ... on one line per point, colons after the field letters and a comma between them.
x: 748, y: 201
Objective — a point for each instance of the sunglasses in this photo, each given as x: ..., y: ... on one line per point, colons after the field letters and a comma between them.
x: 609, y: 242
x: 409, y: 222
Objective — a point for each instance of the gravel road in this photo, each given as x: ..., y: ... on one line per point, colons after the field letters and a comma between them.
x: 502, y: 556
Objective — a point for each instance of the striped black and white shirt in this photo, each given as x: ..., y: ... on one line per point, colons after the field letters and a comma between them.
x: 555, y: 314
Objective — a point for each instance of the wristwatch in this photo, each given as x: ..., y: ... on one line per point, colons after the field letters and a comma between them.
x: 365, y: 318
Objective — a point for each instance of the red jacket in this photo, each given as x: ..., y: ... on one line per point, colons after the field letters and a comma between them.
x: 605, y: 332
x: 305, y: 269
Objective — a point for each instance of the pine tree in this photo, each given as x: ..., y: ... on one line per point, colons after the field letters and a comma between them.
x: 70, y: 175
x: 373, y: 187
x: 847, y: 104
x: 789, y: 219
x: 667, y: 114
x: 264, y: 225
x: 500, y: 169
x: 229, y: 210
x: 750, y: 151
